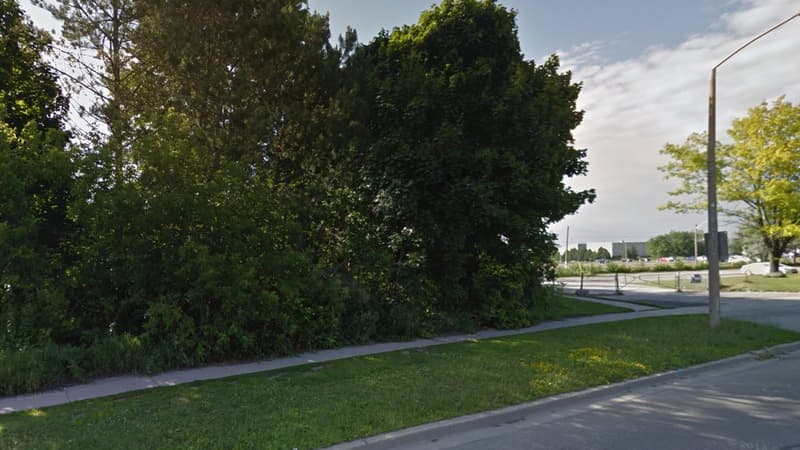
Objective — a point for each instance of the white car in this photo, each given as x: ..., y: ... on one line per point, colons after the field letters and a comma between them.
x: 762, y: 268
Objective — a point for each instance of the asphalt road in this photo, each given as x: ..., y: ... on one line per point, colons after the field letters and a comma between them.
x: 752, y: 404
x: 779, y: 309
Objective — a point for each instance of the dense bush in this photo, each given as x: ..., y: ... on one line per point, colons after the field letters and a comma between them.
x: 51, y: 365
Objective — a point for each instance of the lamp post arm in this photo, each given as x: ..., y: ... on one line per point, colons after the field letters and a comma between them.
x: 755, y: 39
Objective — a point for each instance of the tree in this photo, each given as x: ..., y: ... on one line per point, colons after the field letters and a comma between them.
x: 29, y: 90
x: 35, y: 179
x: 674, y: 243
x: 98, y: 47
x: 749, y: 243
x: 757, y: 174
x: 466, y: 147
x: 603, y: 253
x: 211, y: 246
x: 254, y: 78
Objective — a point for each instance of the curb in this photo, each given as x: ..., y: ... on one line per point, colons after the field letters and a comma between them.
x: 519, y: 412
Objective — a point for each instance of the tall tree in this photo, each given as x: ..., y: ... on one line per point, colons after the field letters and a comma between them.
x: 252, y: 76
x: 467, y: 147
x: 757, y: 174
x: 97, y: 38
x: 35, y: 179
x: 206, y: 250
x: 28, y: 88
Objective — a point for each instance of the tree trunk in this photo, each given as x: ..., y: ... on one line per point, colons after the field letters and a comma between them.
x: 776, y: 249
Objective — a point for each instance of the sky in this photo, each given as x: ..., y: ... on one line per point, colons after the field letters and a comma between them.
x: 644, y: 66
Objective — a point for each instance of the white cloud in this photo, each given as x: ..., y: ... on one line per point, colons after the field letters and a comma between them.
x: 634, y: 107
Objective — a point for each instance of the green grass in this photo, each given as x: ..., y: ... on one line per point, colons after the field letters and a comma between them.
x: 320, y: 404
x: 564, y: 308
x: 51, y: 366
x: 752, y: 283
x: 634, y: 301
x: 790, y: 283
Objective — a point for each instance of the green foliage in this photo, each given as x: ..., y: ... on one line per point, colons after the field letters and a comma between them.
x: 51, y: 365
x: 757, y: 174
x: 675, y: 243
x: 603, y: 253
x: 581, y: 254
x: 465, y: 149
x: 35, y: 179
x: 501, y: 294
x: 262, y: 192
x: 28, y: 88
x: 102, y: 29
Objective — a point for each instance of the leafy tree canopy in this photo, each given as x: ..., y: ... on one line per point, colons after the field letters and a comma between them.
x: 467, y: 143
x: 757, y: 174
x: 28, y: 88
x: 35, y: 181
x: 675, y: 243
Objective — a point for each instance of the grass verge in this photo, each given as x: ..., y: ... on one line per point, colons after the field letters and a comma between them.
x: 564, y: 308
x: 634, y: 301
x: 320, y: 404
x: 752, y: 283
x: 758, y: 283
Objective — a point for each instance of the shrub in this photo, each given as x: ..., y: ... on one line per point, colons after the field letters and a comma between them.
x: 49, y: 365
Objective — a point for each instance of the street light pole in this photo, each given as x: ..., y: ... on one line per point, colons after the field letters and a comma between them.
x: 713, y: 231
x: 696, y: 227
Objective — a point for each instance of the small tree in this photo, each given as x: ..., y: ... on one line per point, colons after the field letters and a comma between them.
x: 757, y: 174
x: 603, y: 253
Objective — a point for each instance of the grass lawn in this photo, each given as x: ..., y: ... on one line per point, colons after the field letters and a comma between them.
x: 752, y: 283
x: 563, y: 308
x: 790, y: 283
x: 321, y: 404
x: 621, y: 299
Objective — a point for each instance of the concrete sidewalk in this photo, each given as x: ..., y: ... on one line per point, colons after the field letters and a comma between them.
x: 116, y: 385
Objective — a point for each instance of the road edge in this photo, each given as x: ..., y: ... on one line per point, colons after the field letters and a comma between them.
x: 519, y: 412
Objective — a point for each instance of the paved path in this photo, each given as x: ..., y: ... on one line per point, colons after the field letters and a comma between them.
x: 745, y: 402
x: 120, y: 384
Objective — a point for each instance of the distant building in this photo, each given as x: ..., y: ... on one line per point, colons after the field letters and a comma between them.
x: 618, y: 250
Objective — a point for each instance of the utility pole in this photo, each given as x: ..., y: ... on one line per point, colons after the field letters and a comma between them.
x: 566, y: 250
x: 713, y: 233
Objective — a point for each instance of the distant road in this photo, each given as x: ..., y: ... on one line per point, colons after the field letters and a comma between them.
x: 771, y: 308
x: 605, y: 283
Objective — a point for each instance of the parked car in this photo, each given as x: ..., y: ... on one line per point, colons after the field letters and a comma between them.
x: 762, y: 268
